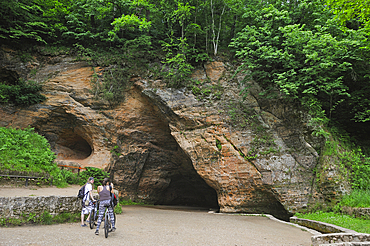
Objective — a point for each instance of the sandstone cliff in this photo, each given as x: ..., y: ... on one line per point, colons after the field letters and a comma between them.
x: 205, y: 145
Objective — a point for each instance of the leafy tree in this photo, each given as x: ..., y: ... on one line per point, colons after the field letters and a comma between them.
x: 22, y: 20
x: 311, y: 61
x: 351, y: 10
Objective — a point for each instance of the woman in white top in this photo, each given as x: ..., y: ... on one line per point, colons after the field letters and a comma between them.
x: 89, y: 198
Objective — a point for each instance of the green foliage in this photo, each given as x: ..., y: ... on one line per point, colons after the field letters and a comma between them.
x: 351, y: 157
x: 218, y: 145
x: 54, y: 50
x: 205, y: 90
x: 98, y: 174
x: 25, y: 150
x: 357, y: 11
x: 115, y: 151
x: 22, y: 20
x: 345, y: 221
x: 242, y: 116
x: 11, y: 221
x: 71, y: 178
x: 82, y: 177
x: 44, y: 219
x: 24, y: 93
x: 118, y: 209
x: 310, y: 60
x: 178, y: 69
x: 357, y: 199
x: 115, y: 81
x: 359, y: 165
x: 121, y: 64
x: 129, y: 22
x: 130, y: 202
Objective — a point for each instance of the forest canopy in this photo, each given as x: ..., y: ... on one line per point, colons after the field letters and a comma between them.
x: 315, y: 52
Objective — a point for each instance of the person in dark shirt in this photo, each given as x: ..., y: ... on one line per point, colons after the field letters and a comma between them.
x: 105, y: 191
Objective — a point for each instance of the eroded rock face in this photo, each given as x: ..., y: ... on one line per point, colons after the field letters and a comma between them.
x: 132, y: 141
x: 273, y: 176
x: 170, y: 146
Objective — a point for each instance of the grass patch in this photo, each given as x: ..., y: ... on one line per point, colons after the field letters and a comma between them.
x: 118, y: 208
x: 45, y: 219
x: 342, y: 220
x: 357, y: 199
x: 130, y: 202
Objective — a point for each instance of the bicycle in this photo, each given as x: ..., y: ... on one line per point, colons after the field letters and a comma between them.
x: 94, y: 214
x: 107, y: 222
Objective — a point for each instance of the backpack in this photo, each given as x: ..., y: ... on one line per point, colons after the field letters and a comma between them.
x: 81, y: 192
x: 113, y: 198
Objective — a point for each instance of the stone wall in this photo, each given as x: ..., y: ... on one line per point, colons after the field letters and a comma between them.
x: 15, y: 207
x: 333, y: 235
x: 341, y: 239
x: 357, y: 212
x: 320, y: 226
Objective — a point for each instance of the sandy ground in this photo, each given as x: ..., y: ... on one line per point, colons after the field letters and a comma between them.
x: 8, y: 191
x: 147, y: 226
x: 157, y: 225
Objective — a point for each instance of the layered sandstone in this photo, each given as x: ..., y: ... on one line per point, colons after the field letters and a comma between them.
x: 177, y: 146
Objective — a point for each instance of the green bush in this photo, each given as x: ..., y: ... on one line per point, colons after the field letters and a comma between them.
x: 69, y: 177
x: 96, y: 173
x: 352, y: 157
x: 23, y: 94
x: 357, y: 198
x: 27, y: 151
x: 46, y: 218
x: 359, y: 165
x: 118, y: 209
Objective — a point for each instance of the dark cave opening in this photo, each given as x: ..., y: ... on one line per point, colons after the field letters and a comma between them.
x: 191, y: 191
x: 71, y: 145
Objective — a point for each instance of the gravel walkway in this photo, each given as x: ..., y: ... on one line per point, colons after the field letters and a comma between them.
x: 153, y: 226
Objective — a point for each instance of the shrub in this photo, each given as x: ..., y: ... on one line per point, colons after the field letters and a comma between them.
x: 27, y: 151
x: 23, y: 94
x: 357, y: 198
x: 97, y: 173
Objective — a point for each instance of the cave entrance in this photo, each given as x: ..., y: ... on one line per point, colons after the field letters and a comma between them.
x: 187, y: 187
x: 190, y: 191
x: 71, y: 146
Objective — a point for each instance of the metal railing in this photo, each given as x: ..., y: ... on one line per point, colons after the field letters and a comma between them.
x: 79, y: 168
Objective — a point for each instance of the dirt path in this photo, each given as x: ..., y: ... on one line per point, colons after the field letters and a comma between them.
x: 151, y: 226
x: 8, y: 191
x: 147, y: 226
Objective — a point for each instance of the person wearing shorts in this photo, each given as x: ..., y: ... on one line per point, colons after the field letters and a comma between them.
x: 87, y: 201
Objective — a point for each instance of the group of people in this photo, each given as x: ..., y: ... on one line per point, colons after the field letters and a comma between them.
x: 104, y: 191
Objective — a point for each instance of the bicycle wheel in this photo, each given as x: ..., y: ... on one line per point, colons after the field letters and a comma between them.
x: 106, y: 224
x: 115, y: 220
x: 92, y: 218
